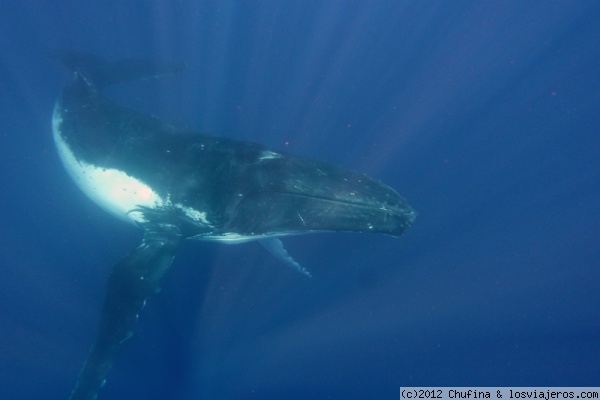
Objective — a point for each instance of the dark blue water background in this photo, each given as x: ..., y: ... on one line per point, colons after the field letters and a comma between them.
x: 485, y: 115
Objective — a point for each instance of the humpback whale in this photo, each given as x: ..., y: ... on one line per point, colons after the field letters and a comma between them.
x: 178, y: 184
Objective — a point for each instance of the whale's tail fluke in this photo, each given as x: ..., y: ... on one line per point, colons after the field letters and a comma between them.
x: 101, y: 73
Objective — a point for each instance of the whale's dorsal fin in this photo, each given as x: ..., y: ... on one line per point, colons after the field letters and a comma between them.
x: 275, y: 247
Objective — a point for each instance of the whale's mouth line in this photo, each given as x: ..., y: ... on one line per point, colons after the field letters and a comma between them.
x: 359, y: 204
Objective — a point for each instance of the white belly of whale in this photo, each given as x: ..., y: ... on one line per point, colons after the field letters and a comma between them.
x: 113, y: 190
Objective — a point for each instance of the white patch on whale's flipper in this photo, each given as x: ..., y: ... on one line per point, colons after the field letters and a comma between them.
x: 275, y: 247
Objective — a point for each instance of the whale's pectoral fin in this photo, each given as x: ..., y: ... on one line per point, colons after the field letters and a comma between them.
x: 132, y: 281
x: 275, y: 247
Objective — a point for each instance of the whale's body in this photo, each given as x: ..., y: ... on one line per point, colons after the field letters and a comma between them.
x: 175, y: 184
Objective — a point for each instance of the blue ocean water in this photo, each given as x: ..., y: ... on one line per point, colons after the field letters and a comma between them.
x: 485, y: 115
